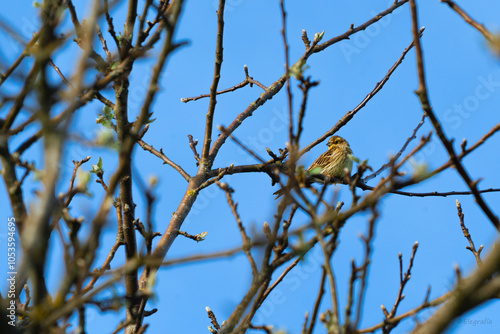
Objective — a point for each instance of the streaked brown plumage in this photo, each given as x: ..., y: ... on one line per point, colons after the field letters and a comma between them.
x: 333, y: 162
x: 336, y: 159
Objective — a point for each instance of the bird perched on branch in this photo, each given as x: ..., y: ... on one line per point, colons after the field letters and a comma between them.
x: 333, y: 163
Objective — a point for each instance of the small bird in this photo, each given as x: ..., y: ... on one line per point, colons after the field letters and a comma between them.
x: 336, y: 160
x: 333, y: 162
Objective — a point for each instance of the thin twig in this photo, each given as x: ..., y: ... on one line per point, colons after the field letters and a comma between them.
x: 81, y: 38
x: 327, y: 254
x: 4, y: 76
x: 248, y: 81
x: 192, y: 144
x: 142, y: 20
x: 396, y: 157
x: 73, y: 177
x: 111, y: 27
x: 364, y: 268
x: 202, y: 257
x: 205, y: 161
x: 287, y: 75
x: 304, y: 86
x: 352, y: 30
x: 472, y: 248
x: 164, y: 158
x: 430, y: 194
x: 19, y: 101
x: 403, y: 279
x: 240, y: 144
x: 281, y: 277
x: 196, y: 237
x: 109, y: 56
x: 317, y: 303
x: 480, y: 27
x: 426, y: 304
x: 105, y: 266
x: 144, y: 33
x: 463, y: 154
x: 246, y: 240
x: 266, y: 329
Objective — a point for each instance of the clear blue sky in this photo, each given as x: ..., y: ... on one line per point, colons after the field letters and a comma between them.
x: 464, y: 82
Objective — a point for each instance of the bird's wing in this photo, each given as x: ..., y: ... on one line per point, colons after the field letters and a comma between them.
x: 322, y: 160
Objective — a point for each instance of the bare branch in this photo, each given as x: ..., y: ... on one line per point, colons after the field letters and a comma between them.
x: 246, y: 240
x: 4, y: 76
x: 396, y: 157
x: 403, y: 279
x: 472, y: 248
x: 70, y: 193
x: 426, y: 106
x: 352, y: 30
x: 206, y: 161
x: 162, y: 156
x: 317, y: 303
x: 426, y: 304
x: 464, y: 153
x: 197, y: 237
x: 480, y: 27
x: 287, y: 75
x: 248, y: 81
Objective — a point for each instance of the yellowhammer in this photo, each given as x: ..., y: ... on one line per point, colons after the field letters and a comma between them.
x: 333, y: 162
x: 336, y: 160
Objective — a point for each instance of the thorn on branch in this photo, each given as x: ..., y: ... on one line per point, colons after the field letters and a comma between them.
x: 476, y: 182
